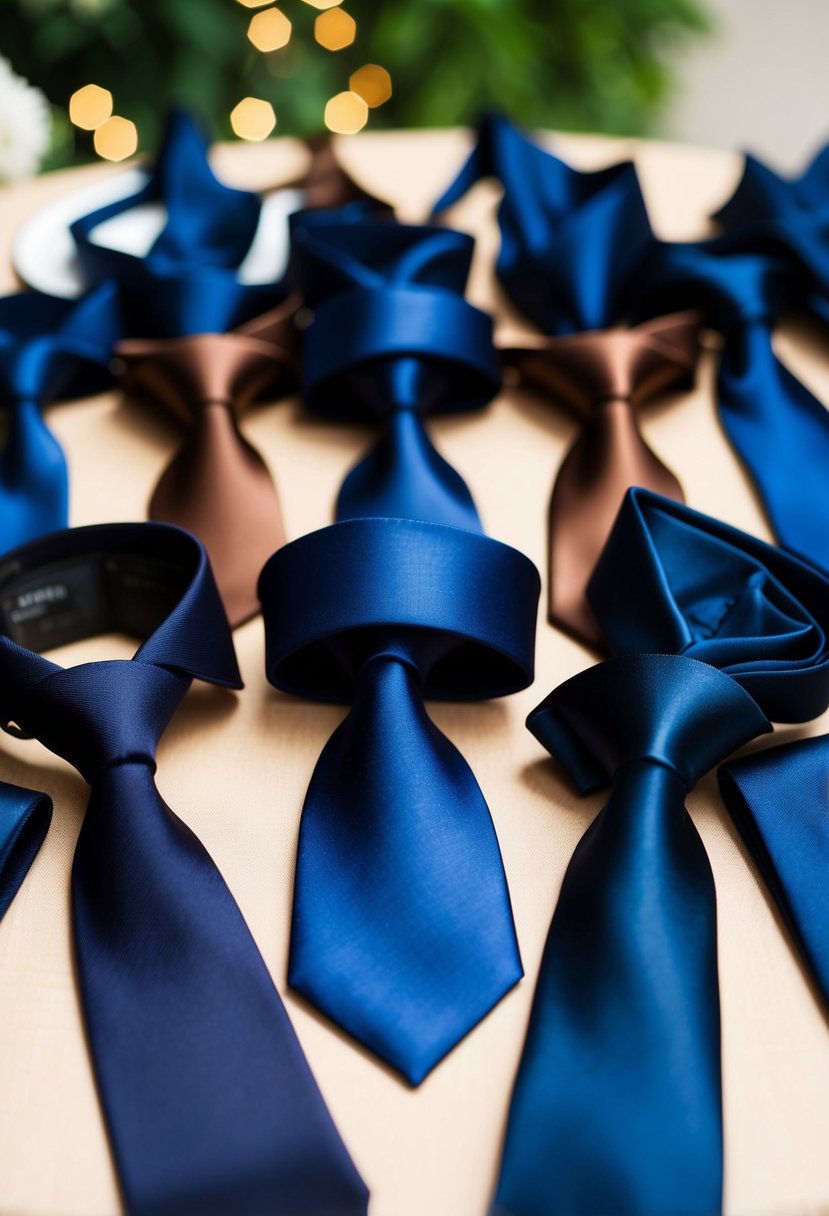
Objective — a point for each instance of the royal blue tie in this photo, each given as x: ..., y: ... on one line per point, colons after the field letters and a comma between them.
x: 25, y: 816
x: 402, y: 930
x: 49, y: 350
x: 210, y: 1107
x: 778, y: 428
x: 779, y: 801
x: 617, y: 1108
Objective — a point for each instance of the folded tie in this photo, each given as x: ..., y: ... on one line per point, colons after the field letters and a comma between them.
x: 571, y: 247
x: 393, y: 340
x: 604, y: 377
x: 218, y: 486
x: 49, y: 349
x: 617, y: 1105
x: 208, y: 1100
x: 779, y: 801
x: 402, y: 930
x: 25, y: 816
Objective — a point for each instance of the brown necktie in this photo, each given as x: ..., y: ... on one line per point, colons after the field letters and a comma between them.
x: 218, y: 486
x: 603, y: 376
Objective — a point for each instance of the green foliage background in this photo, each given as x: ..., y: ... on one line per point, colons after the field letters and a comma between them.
x: 574, y: 64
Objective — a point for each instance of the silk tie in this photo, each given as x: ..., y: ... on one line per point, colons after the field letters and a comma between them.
x: 209, y: 1104
x: 571, y: 247
x: 393, y: 340
x: 604, y: 377
x: 779, y: 801
x: 218, y: 486
x: 776, y: 426
x: 48, y: 350
x: 617, y: 1106
x: 25, y: 816
x: 402, y: 930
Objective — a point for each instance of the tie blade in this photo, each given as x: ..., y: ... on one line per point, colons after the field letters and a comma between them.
x: 404, y: 477
x: 608, y: 457
x: 402, y: 929
x: 209, y: 1102
x: 219, y: 488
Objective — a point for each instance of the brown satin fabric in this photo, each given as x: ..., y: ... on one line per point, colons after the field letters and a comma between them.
x: 326, y: 183
x: 603, y: 376
x: 218, y: 486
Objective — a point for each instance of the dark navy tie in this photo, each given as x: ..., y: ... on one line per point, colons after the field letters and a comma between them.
x: 209, y: 1104
x: 617, y: 1108
x: 779, y: 801
x: 402, y: 930
x: 49, y: 349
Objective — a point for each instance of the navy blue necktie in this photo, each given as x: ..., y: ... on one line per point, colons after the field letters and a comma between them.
x: 779, y: 801
x: 617, y: 1107
x: 209, y: 1104
x: 777, y: 427
x: 49, y: 349
x: 25, y: 816
x: 402, y: 930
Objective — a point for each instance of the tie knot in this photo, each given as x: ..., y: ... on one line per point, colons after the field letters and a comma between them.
x: 99, y: 715
x: 588, y: 370
x: 665, y: 709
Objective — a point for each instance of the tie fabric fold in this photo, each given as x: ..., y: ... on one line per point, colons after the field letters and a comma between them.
x: 604, y: 377
x: 402, y: 930
x: 617, y: 1105
x: 25, y: 816
x: 779, y: 801
x: 571, y: 247
x: 777, y: 427
x: 208, y: 1101
x: 49, y: 350
x: 218, y: 486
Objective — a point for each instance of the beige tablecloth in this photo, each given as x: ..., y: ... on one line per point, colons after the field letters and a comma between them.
x: 236, y: 769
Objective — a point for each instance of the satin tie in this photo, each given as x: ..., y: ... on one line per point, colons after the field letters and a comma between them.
x: 25, y: 816
x: 49, y: 350
x: 571, y: 247
x: 209, y: 1103
x: 616, y: 1108
x: 218, y: 486
x: 402, y: 930
x: 779, y: 801
x: 604, y: 377
x: 777, y: 427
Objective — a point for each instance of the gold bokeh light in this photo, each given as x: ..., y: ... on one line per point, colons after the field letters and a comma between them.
x: 323, y: 3
x: 90, y: 106
x: 253, y: 118
x: 253, y: 3
x: 335, y: 29
x: 372, y: 83
x: 116, y: 139
x: 270, y: 31
x: 346, y: 113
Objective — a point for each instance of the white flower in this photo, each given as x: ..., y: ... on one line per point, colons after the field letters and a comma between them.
x: 25, y: 125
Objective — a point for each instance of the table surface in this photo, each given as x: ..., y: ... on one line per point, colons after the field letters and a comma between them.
x: 236, y: 767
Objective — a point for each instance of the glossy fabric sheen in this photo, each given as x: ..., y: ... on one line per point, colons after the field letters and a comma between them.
x: 776, y: 426
x: 49, y: 350
x: 675, y: 580
x: 779, y: 801
x: 402, y: 930
x: 217, y: 485
x: 209, y: 1104
x: 616, y: 1109
x: 25, y: 816
x: 571, y: 245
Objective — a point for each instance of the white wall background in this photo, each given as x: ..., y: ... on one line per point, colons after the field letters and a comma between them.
x: 759, y: 83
